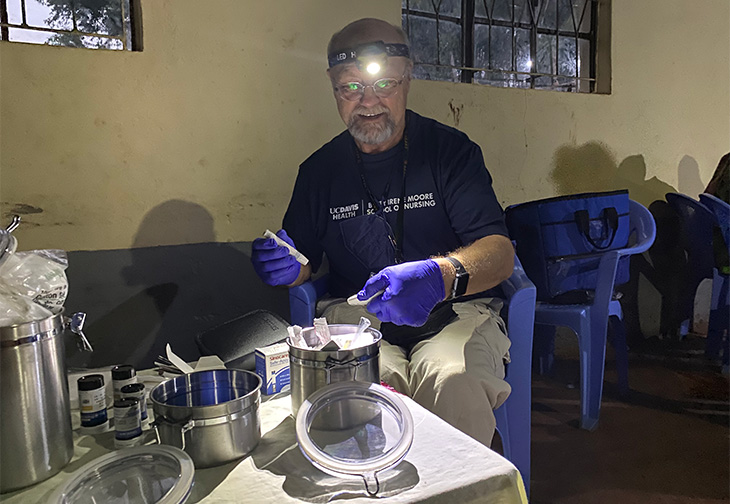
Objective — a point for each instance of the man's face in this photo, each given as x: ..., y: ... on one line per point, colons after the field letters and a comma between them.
x: 375, y: 122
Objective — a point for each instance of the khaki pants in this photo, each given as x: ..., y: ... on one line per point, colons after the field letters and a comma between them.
x: 458, y: 374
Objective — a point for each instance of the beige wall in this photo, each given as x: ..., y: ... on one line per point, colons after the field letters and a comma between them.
x: 221, y: 107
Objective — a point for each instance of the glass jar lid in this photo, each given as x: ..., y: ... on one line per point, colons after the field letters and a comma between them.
x: 158, y: 474
x: 354, y: 429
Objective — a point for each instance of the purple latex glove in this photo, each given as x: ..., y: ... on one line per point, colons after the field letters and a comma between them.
x: 272, y: 262
x: 412, y: 289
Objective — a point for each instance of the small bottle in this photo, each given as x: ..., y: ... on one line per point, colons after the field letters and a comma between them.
x: 92, y: 401
x: 127, y: 423
x: 122, y: 375
x: 137, y: 391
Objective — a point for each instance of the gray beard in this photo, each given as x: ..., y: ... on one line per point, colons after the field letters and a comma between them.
x: 371, y: 134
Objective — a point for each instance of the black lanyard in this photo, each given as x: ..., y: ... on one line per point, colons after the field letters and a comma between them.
x: 397, y: 240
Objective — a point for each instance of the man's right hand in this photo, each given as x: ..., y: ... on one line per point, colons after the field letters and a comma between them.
x: 272, y: 262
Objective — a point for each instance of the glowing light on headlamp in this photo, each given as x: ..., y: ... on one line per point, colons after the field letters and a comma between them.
x: 373, y: 68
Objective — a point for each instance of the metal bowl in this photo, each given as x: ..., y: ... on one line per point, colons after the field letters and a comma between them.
x: 213, y: 415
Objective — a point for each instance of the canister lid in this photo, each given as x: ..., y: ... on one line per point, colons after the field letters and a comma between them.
x: 158, y: 474
x: 91, y: 382
x: 354, y: 429
x: 123, y: 372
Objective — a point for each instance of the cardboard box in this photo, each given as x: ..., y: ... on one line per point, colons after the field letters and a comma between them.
x: 272, y: 365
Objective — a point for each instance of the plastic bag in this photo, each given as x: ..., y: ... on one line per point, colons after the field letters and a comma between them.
x: 33, y: 285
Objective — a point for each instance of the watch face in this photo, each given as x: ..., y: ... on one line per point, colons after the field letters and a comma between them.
x: 461, y: 280
x: 460, y: 283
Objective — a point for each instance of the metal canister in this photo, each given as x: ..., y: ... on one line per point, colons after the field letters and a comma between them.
x: 36, y: 439
x: 310, y: 370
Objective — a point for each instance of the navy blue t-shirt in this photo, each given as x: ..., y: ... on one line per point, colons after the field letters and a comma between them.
x: 449, y: 200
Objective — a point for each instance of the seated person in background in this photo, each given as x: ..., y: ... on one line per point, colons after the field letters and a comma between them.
x: 403, y: 203
x: 720, y: 186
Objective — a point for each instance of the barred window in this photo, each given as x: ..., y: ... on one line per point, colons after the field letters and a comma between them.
x: 537, y: 44
x: 93, y: 24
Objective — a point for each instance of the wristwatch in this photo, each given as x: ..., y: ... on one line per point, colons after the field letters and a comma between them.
x: 461, y: 280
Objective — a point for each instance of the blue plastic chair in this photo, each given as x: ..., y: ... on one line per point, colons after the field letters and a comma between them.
x: 696, y: 222
x: 513, y: 417
x: 720, y: 303
x: 590, y: 321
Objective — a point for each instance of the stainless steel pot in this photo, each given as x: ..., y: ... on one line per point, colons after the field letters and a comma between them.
x: 213, y: 415
x: 35, y: 417
x: 310, y: 370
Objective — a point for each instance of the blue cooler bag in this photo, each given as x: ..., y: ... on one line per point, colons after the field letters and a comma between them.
x: 560, y: 241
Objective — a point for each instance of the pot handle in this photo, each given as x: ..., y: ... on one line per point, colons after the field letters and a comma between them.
x: 76, y: 324
x: 187, y: 426
x: 330, y: 364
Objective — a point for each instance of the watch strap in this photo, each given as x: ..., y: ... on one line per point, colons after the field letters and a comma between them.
x: 461, y: 280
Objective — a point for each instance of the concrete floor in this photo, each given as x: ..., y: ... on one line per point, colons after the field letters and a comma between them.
x: 667, y: 442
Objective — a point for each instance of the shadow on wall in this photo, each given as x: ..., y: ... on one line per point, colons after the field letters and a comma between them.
x: 591, y: 167
x: 174, y: 283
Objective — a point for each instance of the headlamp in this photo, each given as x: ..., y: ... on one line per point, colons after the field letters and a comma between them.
x: 370, y: 57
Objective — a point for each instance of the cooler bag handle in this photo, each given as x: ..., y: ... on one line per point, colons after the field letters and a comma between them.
x: 610, y: 215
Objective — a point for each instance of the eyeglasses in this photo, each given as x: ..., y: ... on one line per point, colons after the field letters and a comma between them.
x: 383, y: 88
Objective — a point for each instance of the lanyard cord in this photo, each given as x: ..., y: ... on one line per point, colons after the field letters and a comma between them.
x: 398, y: 238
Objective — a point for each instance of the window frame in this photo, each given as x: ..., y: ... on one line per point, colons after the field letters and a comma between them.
x: 134, y: 37
x: 468, y: 20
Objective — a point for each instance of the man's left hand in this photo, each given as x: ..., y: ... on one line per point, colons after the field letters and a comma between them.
x: 412, y: 289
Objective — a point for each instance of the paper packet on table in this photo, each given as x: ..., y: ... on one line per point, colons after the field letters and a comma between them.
x: 33, y: 285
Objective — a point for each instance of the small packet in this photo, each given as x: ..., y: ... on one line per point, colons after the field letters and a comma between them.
x: 331, y: 346
x: 296, y: 338
x: 322, y: 330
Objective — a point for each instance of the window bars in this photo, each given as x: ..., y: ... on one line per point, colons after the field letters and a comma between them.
x: 93, y: 24
x: 537, y: 44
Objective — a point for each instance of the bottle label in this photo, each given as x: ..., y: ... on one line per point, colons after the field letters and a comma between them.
x: 92, y: 406
x: 127, y: 422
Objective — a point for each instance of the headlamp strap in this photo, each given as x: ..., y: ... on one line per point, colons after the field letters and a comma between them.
x: 374, y: 49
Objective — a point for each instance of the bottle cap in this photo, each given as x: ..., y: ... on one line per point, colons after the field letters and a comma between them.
x: 91, y: 382
x: 126, y: 402
x: 123, y: 372
x: 132, y: 388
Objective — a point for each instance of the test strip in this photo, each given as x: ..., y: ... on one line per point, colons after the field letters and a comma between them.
x: 297, y: 255
x: 353, y: 301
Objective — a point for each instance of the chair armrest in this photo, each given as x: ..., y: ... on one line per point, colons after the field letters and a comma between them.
x: 520, y: 295
x: 303, y: 300
x: 643, y: 226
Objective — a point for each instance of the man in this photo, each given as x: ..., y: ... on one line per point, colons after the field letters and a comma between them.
x: 404, y: 205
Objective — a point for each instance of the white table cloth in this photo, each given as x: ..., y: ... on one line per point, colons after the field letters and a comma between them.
x: 443, y: 466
